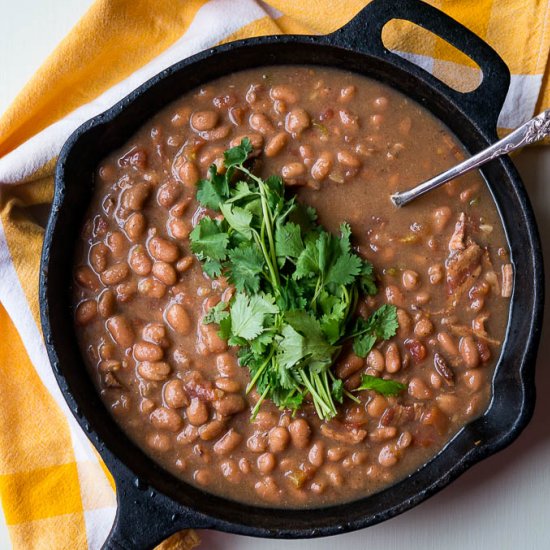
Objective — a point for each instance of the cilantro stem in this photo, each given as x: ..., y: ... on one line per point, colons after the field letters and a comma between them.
x: 267, y: 219
x: 259, y: 371
x: 259, y: 403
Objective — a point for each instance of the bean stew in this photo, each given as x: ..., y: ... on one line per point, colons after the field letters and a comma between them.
x: 342, y: 143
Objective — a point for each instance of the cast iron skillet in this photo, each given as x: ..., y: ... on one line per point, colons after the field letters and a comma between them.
x: 151, y: 502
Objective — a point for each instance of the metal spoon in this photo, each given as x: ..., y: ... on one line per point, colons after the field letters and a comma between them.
x: 533, y: 130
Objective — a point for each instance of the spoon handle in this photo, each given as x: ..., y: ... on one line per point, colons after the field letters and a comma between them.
x: 530, y: 132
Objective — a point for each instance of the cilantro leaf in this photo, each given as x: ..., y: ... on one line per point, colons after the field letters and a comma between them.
x: 248, y: 314
x: 216, y: 314
x: 367, y: 279
x: 381, y: 386
x: 363, y: 344
x: 237, y: 155
x: 288, y: 241
x: 238, y: 219
x: 381, y: 325
x: 214, y: 190
x: 209, y: 240
x: 247, y: 262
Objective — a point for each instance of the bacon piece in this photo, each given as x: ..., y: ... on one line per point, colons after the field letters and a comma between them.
x: 457, y: 238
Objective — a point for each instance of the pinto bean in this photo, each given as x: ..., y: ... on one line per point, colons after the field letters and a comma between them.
x: 212, y: 430
x: 261, y: 123
x: 256, y: 140
x: 212, y: 340
x: 98, y: 257
x: 115, y: 274
x: 227, y: 364
x: 387, y: 456
x: 440, y: 218
x: 133, y: 198
x: 179, y: 229
x: 322, y: 166
x: 188, y: 435
x: 197, y: 412
x: 183, y: 264
x: 159, y: 442
x: 178, y: 319
x: 418, y: 389
x: 436, y: 273
x: 469, y: 352
x: 349, y: 365
x: 120, y: 330
x: 189, y: 173
x: 229, y: 405
x: 204, y: 120
x: 175, y: 396
x: 166, y: 419
x: 348, y: 119
x: 106, y: 303
x: 257, y: 443
x: 86, y: 312
x: 348, y: 159
x: 151, y: 288
x: 135, y: 226
x: 266, y: 463
x: 404, y: 320
x: 293, y: 173
x: 375, y: 360
x: 165, y: 273
x: 276, y: 144
x: 300, y: 433
x: 316, y: 454
x: 202, y: 476
x: 347, y: 93
x: 278, y: 439
x: 168, y: 194
x: 447, y: 343
x: 394, y: 296
x: 230, y: 471
x: 393, y: 358
x: 474, y: 379
x: 155, y: 372
x: 296, y: 121
x: 163, y: 250
x: 376, y: 406
x: 227, y: 385
x: 215, y: 134
x: 228, y: 442
x: 410, y: 279
x: 284, y: 93
x: 87, y: 278
x: 139, y: 260
x: 125, y: 291
x: 146, y: 351
x: 383, y: 433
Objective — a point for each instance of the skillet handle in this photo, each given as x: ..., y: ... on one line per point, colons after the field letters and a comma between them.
x: 144, y: 518
x: 364, y: 33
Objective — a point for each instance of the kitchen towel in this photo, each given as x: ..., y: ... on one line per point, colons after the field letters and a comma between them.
x: 54, y: 489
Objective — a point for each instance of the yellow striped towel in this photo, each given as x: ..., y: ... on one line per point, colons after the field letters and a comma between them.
x: 55, y: 491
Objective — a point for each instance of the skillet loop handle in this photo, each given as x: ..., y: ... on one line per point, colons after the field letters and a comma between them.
x: 144, y: 518
x: 364, y: 33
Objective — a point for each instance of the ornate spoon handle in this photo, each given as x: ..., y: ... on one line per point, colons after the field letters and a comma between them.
x: 533, y: 130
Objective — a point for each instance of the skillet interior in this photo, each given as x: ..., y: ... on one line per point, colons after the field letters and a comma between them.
x: 142, y: 484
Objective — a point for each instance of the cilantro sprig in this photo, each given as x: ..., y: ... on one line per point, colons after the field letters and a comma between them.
x: 297, y: 286
x: 380, y: 385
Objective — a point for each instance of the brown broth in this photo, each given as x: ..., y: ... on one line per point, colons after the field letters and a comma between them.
x: 344, y: 143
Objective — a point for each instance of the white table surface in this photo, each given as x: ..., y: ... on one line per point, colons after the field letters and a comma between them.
x: 502, y: 503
